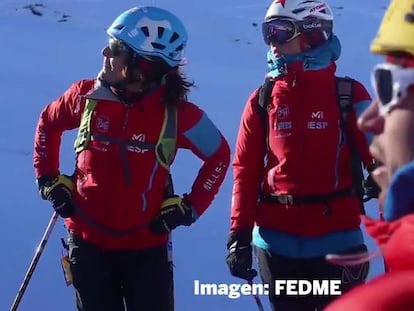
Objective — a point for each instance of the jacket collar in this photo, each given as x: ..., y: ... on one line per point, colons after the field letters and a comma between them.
x: 311, y: 60
x: 101, y: 92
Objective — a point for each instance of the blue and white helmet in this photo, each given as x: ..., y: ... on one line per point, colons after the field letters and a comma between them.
x: 151, y: 31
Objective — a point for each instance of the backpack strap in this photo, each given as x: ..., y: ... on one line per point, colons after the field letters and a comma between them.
x: 84, y: 133
x: 344, y: 91
x: 264, y: 94
x: 165, y: 147
x: 167, y: 141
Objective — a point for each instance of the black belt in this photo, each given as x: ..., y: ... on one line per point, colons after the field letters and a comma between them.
x: 295, y: 199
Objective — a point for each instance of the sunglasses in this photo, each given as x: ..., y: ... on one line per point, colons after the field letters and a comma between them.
x: 118, y: 47
x: 391, y: 84
x: 281, y: 31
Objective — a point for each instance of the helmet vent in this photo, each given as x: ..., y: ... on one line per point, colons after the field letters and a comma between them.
x: 119, y: 27
x: 158, y: 46
x: 160, y: 31
x: 174, y: 37
x: 297, y: 11
x: 145, y: 31
x: 179, y: 48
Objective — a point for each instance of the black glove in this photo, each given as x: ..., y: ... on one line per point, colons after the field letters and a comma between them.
x: 58, y: 191
x: 175, y: 211
x: 239, y: 257
x: 371, y: 188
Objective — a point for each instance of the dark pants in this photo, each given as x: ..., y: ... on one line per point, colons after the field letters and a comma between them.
x: 276, y: 267
x: 118, y: 280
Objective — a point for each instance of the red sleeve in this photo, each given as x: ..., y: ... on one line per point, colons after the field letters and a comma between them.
x: 247, y: 166
x: 360, y: 95
x: 60, y: 115
x: 198, y: 134
x: 389, y: 291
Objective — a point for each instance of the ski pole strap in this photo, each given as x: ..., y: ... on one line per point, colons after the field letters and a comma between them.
x: 294, y: 199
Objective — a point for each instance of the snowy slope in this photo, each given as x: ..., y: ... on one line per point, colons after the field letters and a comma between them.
x: 48, y: 46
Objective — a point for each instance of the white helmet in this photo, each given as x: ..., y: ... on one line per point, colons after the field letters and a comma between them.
x: 299, y: 10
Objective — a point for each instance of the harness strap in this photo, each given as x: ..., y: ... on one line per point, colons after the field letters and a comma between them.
x: 307, y: 199
x: 108, y: 231
x: 124, y: 144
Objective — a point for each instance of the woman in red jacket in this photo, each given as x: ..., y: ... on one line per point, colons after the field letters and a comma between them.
x: 293, y: 193
x: 118, y: 205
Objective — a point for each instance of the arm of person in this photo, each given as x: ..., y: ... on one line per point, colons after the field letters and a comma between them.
x: 248, y: 167
x: 200, y: 135
x: 60, y: 115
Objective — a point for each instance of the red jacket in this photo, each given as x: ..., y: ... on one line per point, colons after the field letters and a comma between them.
x: 112, y: 212
x: 388, y: 292
x: 393, y: 291
x: 306, y: 156
x: 396, y: 240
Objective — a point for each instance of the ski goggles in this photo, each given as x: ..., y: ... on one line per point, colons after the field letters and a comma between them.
x: 118, y: 47
x: 391, y: 84
x: 281, y: 31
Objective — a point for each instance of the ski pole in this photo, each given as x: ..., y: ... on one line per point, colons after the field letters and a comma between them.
x: 169, y: 191
x: 171, y: 264
x: 34, y: 261
x: 256, y: 297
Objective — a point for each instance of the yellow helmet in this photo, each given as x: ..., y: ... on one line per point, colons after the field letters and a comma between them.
x: 396, y: 33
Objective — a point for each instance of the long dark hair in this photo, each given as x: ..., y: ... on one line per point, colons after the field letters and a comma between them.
x: 153, y: 70
x: 176, y: 85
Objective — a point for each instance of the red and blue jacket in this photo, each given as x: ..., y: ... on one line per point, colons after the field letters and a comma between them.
x: 119, y: 188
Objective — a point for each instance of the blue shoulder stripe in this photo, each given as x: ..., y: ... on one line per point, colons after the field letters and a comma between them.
x: 205, y: 136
